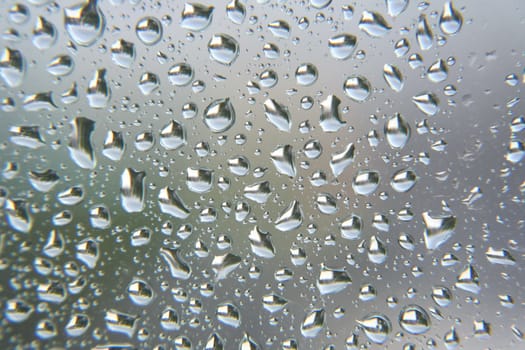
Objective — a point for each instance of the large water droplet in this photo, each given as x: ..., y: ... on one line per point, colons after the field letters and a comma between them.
x: 397, y: 131
x: 123, y: 53
x: 330, y: 120
x: 223, y: 48
x: 365, y: 182
x: 98, y: 91
x: 290, y: 218
x: 396, y: 7
x: 332, y: 280
x: 438, y: 229
x: 342, y: 46
x: 357, y: 88
x: 172, y: 136
x: 219, y: 116
x: 170, y: 203
x: 84, y: 22
x: 277, y: 114
x: 17, y: 214
x: 450, y: 20
x: 149, y: 30
x: 12, y: 67
x: 196, y: 17
x: 414, y: 319
x: 178, y: 268
x: 403, y: 180
x: 283, y: 159
x: 376, y: 327
x: 199, y: 180
x: 223, y: 265
x: 340, y: 161
x: 80, y: 143
x: 228, y: 314
x: 132, y: 190
x: 437, y: 72
x: 427, y: 103
x: 236, y: 11
x: 261, y: 243
x: 424, y: 34
x: 393, y: 77
x: 350, y: 227
x: 313, y: 323
x: 306, y: 74
x: 374, y: 24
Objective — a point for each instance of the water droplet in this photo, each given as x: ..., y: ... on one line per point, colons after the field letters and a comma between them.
x: 223, y: 265
x: 290, y: 218
x: 44, y: 34
x: 258, y: 192
x: 18, y: 310
x: 306, y: 74
x: 170, y: 203
x: 357, y: 88
x: 236, y: 11
x: 172, y: 136
x: 214, y: 341
x: 60, y: 65
x: 515, y: 151
x: 274, y: 303
x: 441, y: 296
x: 199, y: 180
x: 427, y: 103
x: 424, y: 33
x: 148, y: 83
x: 438, y: 229
x: 80, y: 143
x: 313, y: 323
x: 340, y: 161
x: 17, y: 214
x: 397, y: 131
x: 401, y: 47
x: 468, y: 280
x: 376, y: 327
x: 149, y: 30
x: 326, y: 203
x: 98, y: 91
x: 403, y: 180
x: 77, y: 325
x: 438, y: 71
x: 196, y: 17
x: 169, y: 320
x: 123, y: 53
x: 350, y: 228
x: 330, y: 120
x: 12, y: 67
x: 178, y: 268
x: 219, y: 116
x: 283, y: 160
x: 279, y: 29
x: 393, y: 77
x: 261, y: 243
x: 500, y: 257
x: 396, y: 7
x: 132, y: 190
x: 365, y: 182
x: 180, y: 74
x: 342, y: 46
x: 26, y: 136
x: 277, y: 114
x: 376, y: 250
x: 84, y: 22
x: 113, y: 145
x: 373, y: 24
x: 313, y: 149
x: 450, y: 20
x: 239, y: 165
x: 332, y: 280
x: 228, y: 314
x: 120, y: 322
x: 414, y: 319
x: 88, y: 252
x: 43, y: 181
x: 223, y: 48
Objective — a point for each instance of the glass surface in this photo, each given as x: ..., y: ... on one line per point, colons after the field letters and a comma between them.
x: 262, y: 174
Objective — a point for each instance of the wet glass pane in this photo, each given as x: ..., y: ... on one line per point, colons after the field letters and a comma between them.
x: 266, y: 174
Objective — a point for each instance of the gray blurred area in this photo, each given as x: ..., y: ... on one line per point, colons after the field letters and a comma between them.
x: 474, y: 124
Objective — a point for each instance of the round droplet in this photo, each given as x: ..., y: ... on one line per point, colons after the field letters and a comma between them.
x: 219, y: 116
x: 357, y: 88
x: 403, y: 180
x: 450, y: 20
x: 84, y: 22
x: 223, y: 48
x: 397, y: 131
x: 365, y: 182
x: 414, y: 319
x: 313, y: 149
x: 342, y: 46
x: 149, y: 30
x: 306, y: 74
x: 376, y: 327
x: 180, y: 74
x: 196, y: 17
